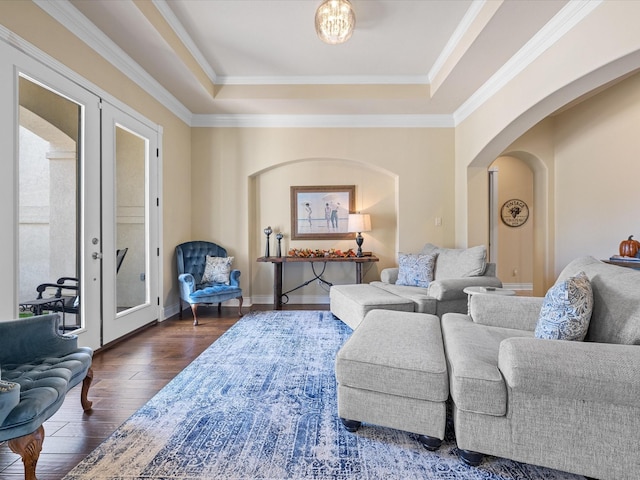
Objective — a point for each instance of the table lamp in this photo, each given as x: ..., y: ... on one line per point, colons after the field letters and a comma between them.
x: 358, y: 223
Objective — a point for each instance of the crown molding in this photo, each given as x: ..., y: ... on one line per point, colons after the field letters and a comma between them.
x: 458, y: 34
x: 38, y: 55
x: 74, y: 21
x: 323, y: 121
x: 570, y: 15
x: 185, y: 38
x: 326, y: 80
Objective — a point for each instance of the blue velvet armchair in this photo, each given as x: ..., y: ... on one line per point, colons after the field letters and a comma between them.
x: 192, y: 259
x: 39, y: 367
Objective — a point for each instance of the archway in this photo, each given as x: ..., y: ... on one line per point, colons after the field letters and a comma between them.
x: 269, y: 205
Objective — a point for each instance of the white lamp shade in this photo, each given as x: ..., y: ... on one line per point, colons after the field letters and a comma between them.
x: 359, y: 222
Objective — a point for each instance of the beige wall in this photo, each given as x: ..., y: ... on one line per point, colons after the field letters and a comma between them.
x: 403, y: 178
x: 597, y: 158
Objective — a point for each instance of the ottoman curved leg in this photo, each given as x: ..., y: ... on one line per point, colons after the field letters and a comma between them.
x: 470, y: 458
x: 350, y: 425
x: 430, y: 443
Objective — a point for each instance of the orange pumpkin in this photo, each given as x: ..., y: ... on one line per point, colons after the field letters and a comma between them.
x: 629, y: 247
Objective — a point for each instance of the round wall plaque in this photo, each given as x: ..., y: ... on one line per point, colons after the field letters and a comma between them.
x: 514, y: 212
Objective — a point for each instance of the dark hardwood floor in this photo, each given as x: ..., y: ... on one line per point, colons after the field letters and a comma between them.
x: 126, y: 376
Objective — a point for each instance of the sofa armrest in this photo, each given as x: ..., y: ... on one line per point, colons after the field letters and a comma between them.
x: 510, y: 312
x: 582, y: 371
x: 452, y: 288
x: 187, y: 284
x: 389, y: 275
x: 9, y: 398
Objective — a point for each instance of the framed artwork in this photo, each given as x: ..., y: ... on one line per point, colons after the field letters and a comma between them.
x: 322, y: 212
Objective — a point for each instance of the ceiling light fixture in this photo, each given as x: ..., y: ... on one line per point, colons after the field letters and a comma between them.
x: 335, y: 21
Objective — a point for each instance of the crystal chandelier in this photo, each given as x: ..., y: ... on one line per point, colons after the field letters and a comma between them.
x: 335, y: 21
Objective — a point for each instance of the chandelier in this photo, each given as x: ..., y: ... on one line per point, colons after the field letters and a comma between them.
x: 335, y: 21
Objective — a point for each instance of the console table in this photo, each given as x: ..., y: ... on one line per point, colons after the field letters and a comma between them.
x: 278, y: 263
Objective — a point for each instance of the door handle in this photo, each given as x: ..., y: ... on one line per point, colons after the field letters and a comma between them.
x: 96, y: 256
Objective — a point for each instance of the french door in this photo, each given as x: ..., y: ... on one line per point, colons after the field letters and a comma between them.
x: 82, y: 185
x: 130, y: 220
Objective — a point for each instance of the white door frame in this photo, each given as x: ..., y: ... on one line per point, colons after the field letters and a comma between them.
x: 18, y: 55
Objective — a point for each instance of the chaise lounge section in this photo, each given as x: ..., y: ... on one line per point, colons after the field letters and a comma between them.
x: 441, y: 291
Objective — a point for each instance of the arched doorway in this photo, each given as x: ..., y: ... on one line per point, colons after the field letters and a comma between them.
x: 530, y: 174
x: 512, y: 217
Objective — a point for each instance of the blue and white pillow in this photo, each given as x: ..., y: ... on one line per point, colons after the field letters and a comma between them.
x: 415, y: 270
x: 566, y: 311
x: 217, y: 270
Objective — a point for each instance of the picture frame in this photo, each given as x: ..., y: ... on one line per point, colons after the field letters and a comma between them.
x: 321, y: 212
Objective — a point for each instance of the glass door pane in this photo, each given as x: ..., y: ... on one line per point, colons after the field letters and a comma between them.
x: 48, y: 185
x: 131, y: 193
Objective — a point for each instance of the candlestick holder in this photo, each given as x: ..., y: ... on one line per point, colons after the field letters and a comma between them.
x: 267, y: 231
x: 279, y: 249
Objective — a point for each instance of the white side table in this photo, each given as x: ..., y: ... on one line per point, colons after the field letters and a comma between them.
x: 470, y: 291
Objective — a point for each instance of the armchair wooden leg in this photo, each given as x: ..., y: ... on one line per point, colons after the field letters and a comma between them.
x: 180, y: 311
x: 29, y: 448
x: 86, y: 383
x: 194, y: 309
x: 240, y: 299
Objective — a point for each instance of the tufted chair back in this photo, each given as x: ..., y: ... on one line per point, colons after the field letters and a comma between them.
x: 192, y: 257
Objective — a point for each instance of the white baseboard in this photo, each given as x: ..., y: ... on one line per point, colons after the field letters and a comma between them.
x: 293, y: 299
x: 171, y: 310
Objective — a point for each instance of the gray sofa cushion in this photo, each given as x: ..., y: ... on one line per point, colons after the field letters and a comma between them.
x: 616, y: 309
x: 418, y: 295
x: 397, y: 353
x: 475, y: 381
x: 456, y: 263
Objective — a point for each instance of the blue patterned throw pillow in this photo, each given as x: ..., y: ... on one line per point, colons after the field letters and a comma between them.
x: 415, y: 270
x: 566, y: 310
x: 217, y: 270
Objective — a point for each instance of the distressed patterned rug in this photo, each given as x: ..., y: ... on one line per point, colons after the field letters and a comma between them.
x: 260, y: 403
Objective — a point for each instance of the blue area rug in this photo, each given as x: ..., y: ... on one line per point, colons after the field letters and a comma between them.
x: 260, y: 403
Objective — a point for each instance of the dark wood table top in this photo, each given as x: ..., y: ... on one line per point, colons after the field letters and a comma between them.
x: 286, y: 259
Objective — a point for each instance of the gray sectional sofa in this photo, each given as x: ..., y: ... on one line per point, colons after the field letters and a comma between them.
x: 454, y: 270
x: 568, y: 405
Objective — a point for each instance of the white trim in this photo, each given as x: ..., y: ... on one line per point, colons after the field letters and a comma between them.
x: 185, y: 38
x: 71, y: 18
x: 570, y: 15
x: 293, y: 300
x: 458, y: 34
x: 35, y: 53
x: 324, y: 121
x: 327, y: 80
